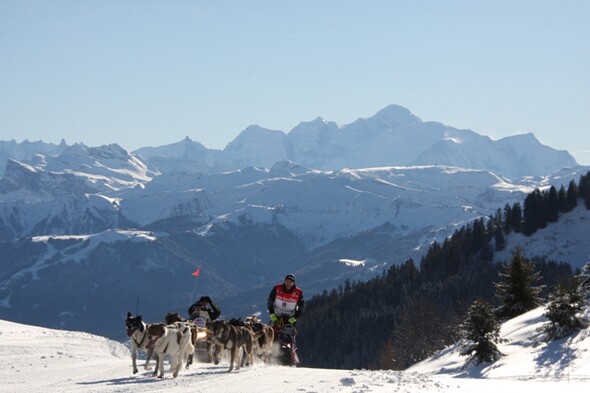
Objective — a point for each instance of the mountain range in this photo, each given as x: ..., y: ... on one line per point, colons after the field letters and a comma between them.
x: 392, y: 137
x: 89, y: 233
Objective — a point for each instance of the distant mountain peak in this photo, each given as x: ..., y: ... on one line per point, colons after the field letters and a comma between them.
x: 257, y: 129
x: 525, y: 137
x: 396, y: 115
x: 253, y: 134
x: 111, y: 151
x: 319, y: 120
x: 288, y: 167
x: 312, y: 128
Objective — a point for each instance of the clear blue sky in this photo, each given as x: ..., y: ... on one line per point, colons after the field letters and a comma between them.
x: 148, y: 73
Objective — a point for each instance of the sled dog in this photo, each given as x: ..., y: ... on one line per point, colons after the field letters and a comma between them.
x: 233, y: 338
x: 200, y: 337
x: 170, y: 340
x: 137, y: 332
x: 265, y: 334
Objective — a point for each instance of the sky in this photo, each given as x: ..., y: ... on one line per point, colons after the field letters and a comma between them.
x: 57, y: 361
x: 151, y: 72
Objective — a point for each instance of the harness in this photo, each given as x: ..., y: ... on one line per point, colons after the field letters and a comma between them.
x: 139, y: 344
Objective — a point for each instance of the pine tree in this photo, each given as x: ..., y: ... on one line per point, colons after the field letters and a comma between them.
x: 584, y: 281
x: 562, y: 200
x: 508, y: 227
x: 497, y: 230
x: 481, y: 333
x: 572, y: 196
x: 563, y: 310
x: 517, y: 292
x: 516, y: 218
x: 584, y: 189
x: 535, y: 213
x: 552, y: 205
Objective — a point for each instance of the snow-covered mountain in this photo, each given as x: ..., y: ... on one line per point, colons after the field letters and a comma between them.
x: 392, y: 137
x: 26, y: 150
x: 79, y: 168
x: 75, y: 260
x: 88, y: 231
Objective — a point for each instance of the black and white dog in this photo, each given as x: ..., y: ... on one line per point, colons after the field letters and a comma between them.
x: 137, y: 330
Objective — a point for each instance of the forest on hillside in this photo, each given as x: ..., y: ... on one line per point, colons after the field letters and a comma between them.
x: 411, y: 311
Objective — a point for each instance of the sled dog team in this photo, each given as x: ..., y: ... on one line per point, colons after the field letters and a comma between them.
x: 177, y: 340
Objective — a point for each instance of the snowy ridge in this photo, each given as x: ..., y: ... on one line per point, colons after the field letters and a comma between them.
x: 322, y: 206
x: 100, y: 169
x: 70, y: 251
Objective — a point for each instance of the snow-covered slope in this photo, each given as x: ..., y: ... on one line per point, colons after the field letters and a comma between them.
x: 528, y: 357
x: 57, y: 361
x: 566, y: 240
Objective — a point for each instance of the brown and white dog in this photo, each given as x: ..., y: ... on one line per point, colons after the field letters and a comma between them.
x: 173, y: 341
x: 200, y: 337
x: 265, y: 334
x: 233, y: 338
x: 137, y: 332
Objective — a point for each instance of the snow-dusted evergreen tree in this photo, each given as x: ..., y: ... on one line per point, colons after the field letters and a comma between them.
x: 584, y: 278
x: 481, y: 333
x: 564, y: 312
x: 517, y: 291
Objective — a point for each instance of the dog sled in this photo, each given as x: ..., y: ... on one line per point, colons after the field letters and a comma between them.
x: 203, y: 342
x: 285, y: 352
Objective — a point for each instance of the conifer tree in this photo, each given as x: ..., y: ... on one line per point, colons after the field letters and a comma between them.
x: 551, y: 203
x: 535, y: 212
x: 516, y: 218
x: 584, y: 281
x: 481, y: 333
x: 572, y: 196
x: 517, y: 291
x: 563, y: 312
x: 562, y: 200
x: 584, y: 189
x: 508, y: 227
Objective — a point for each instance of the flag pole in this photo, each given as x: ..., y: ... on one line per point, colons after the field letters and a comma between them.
x: 196, y: 274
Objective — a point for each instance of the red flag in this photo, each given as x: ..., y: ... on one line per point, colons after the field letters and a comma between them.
x: 197, y: 272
